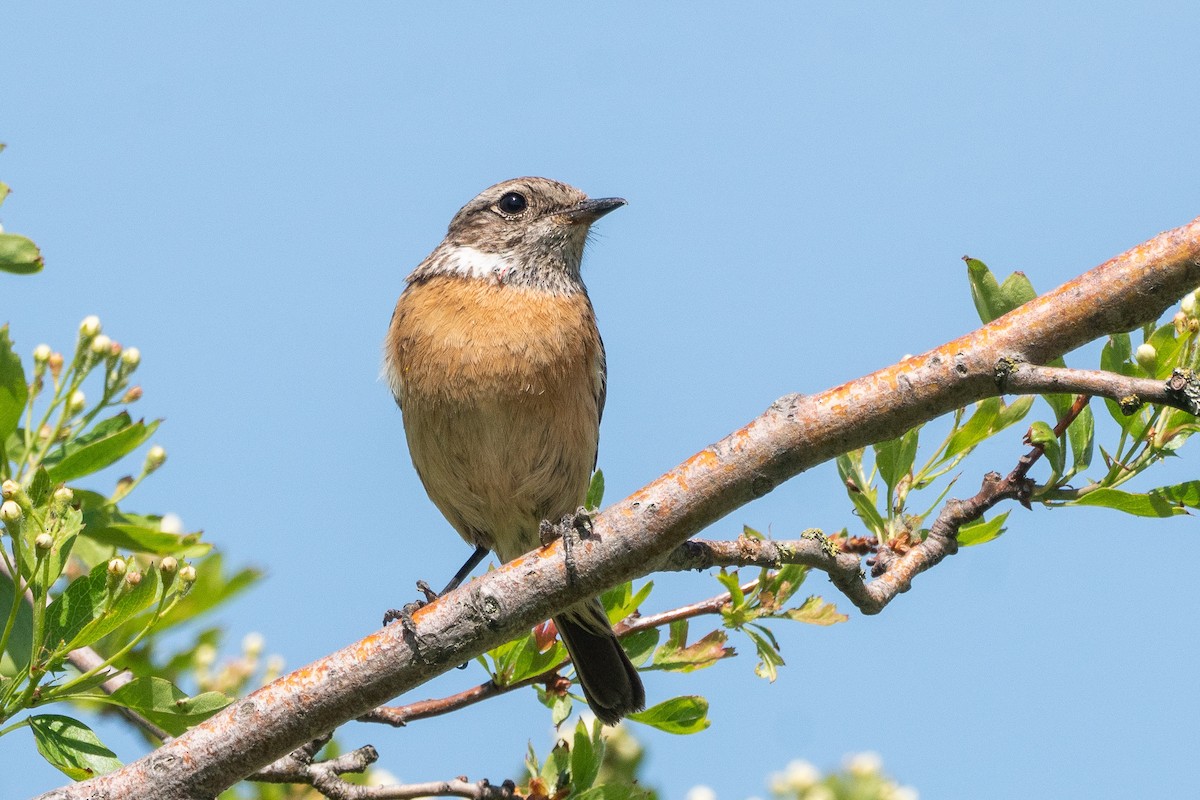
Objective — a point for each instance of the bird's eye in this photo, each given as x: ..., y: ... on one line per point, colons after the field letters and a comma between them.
x: 512, y: 203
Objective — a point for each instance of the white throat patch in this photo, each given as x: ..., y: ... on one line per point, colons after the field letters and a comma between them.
x: 474, y: 263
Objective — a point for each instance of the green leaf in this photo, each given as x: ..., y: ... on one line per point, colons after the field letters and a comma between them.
x: 620, y: 601
x: 102, y: 429
x: 732, y: 583
x: 19, y: 255
x: 638, y: 646
x: 1012, y: 413
x: 1166, y: 501
x: 894, y: 458
x: 1167, y: 342
x: 147, y: 540
x: 72, y: 747
x: 161, y: 702
x: 680, y: 715
x: 558, y: 762
x: 15, y: 657
x: 1042, y: 434
x: 768, y: 653
x: 676, y: 655
x: 867, y: 512
x: 1081, y: 435
x: 98, y: 454
x: 1117, y: 355
x: 530, y: 661
x: 83, y: 613
x: 587, y: 752
x: 13, y: 391
x: 976, y: 429
x: 985, y: 291
x: 815, y: 611
x: 40, y: 488
x: 777, y: 587
x: 982, y: 531
x: 993, y: 300
x: 595, y: 492
x: 560, y: 705
x: 618, y: 790
x: 1016, y: 291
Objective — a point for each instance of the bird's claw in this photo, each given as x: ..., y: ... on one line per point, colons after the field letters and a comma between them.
x: 405, y: 614
x: 579, y: 522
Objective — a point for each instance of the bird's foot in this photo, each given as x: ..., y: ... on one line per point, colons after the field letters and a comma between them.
x: 579, y: 522
x: 405, y: 614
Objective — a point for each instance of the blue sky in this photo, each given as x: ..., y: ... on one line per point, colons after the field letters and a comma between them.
x: 240, y: 191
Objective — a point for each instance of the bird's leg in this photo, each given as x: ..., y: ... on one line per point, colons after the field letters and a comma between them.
x: 579, y: 522
x: 405, y: 613
x: 465, y: 570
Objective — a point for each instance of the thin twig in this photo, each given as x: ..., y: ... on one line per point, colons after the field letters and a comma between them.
x: 399, y: 716
x: 300, y: 767
x: 1181, y: 390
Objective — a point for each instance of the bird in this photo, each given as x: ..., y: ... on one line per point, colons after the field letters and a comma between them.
x: 496, y: 362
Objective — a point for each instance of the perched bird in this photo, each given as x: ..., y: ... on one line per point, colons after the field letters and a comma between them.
x: 495, y: 361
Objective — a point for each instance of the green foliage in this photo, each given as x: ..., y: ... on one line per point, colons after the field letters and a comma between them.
x: 71, y: 746
x: 883, y: 486
x: 751, y: 606
x: 98, y: 576
x: 582, y: 764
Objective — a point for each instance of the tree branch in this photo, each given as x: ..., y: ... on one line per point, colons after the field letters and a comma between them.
x: 325, y: 776
x: 639, y: 532
x: 1181, y: 390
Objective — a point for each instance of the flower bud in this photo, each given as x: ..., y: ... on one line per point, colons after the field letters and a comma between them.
x: 10, y: 511
x: 114, y: 349
x: 205, y: 655
x: 64, y: 495
x: 41, y: 354
x: 117, y: 567
x: 56, y: 364
x: 133, y: 577
x: 864, y: 764
x: 1147, y: 356
x: 43, y: 542
x: 133, y: 395
x: 77, y: 401
x: 1193, y: 325
x: 89, y: 327
x: 1187, y: 305
x: 9, y: 488
x: 252, y: 644
x: 155, y: 458
x: 187, y: 573
x: 131, y: 357
x: 169, y: 565
x: 100, y: 345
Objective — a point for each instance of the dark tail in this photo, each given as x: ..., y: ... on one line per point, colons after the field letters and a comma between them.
x: 609, y: 681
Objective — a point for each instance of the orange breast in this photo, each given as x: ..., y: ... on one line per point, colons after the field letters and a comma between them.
x: 455, y: 339
x: 501, y: 389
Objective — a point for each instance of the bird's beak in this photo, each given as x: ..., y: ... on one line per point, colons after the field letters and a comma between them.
x: 589, y: 211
